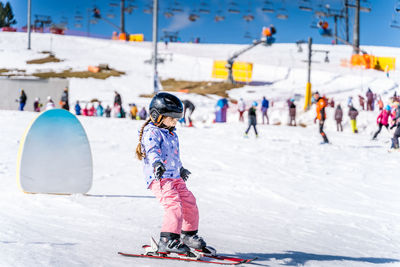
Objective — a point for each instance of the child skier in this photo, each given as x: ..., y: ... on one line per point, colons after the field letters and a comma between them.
x: 353, y: 113
x: 159, y: 149
x: 382, y: 120
x: 338, y: 118
x: 252, y: 119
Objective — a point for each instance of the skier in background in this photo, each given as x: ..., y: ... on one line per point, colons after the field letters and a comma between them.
x: 241, y: 109
x: 189, y: 107
x: 85, y: 110
x: 252, y: 119
x: 380, y: 103
x: 264, y: 109
x: 91, y: 111
x: 22, y: 100
x: 108, y: 111
x: 370, y: 99
x: 159, y: 149
x: 353, y: 113
x: 292, y: 113
x: 143, y: 114
x: 64, y: 99
x: 321, y: 104
x: 50, y: 103
x: 37, y: 105
x: 395, y: 115
x: 77, y: 108
x: 99, y: 110
x: 362, y: 101
x: 133, y: 112
x: 339, y: 118
x: 382, y: 120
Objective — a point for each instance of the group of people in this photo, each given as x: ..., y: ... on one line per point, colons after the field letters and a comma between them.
x: 37, y: 105
x: 95, y: 108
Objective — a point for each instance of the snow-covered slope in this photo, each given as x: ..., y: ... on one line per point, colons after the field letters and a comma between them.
x: 281, y: 197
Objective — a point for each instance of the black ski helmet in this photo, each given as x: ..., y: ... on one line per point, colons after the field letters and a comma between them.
x: 165, y: 104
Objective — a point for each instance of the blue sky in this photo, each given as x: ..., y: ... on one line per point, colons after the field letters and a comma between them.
x: 375, y: 29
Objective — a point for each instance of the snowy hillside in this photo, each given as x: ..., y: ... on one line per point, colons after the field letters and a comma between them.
x: 281, y: 197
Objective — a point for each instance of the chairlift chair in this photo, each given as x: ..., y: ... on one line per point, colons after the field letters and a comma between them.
x: 268, y: 7
x: 233, y: 8
x: 397, y: 6
x: 193, y: 16
x: 148, y: 10
x: 78, y: 25
x: 305, y: 5
x: 113, y: 4
x: 219, y: 17
x: 168, y: 14
x: 366, y: 6
x: 204, y: 9
x: 248, y: 17
x: 282, y: 14
x: 247, y: 35
x: 110, y: 15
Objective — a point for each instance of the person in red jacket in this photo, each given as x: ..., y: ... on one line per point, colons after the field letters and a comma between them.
x: 321, y: 104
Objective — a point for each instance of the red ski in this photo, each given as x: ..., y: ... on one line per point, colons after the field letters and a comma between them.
x: 218, y: 259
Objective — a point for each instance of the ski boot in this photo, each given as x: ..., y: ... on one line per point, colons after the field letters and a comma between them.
x: 172, y: 244
x: 196, y: 243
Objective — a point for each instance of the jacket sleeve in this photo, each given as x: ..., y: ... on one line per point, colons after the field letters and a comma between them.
x: 151, y: 141
x: 378, y: 120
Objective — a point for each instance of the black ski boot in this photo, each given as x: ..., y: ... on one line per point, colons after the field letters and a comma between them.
x: 192, y: 240
x: 171, y: 243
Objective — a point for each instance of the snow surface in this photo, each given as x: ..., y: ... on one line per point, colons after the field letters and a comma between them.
x: 281, y: 197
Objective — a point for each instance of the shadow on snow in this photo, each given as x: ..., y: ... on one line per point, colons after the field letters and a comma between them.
x: 295, y: 258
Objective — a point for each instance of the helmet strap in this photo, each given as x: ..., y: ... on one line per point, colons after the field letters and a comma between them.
x: 157, y: 122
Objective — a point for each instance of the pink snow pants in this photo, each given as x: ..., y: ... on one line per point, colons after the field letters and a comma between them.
x: 180, y: 208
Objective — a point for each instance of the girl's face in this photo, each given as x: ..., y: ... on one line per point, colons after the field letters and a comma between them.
x: 170, y: 122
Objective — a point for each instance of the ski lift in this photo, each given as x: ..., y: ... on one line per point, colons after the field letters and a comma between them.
x: 366, y: 6
x: 93, y: 21
x: 219, y: 18
x: 78, y: 25
x: 193, y: 17
x: 177, y: 7
x: 247, y: 35
x: 233, y: 8
x: 305, y: 5
x: 314, y: 23
x: 113, y: 4
x: 148, y: 10
x: 282, y: 14
x: 204, y: 8
x: 268, y: 7
x: 110, y: 15
x: 168, y: 13
x: 397, y: 7
x: 324, y: 28
x: 96, y: 13
x: 64, y: 21
x: 394, y: 23
x: 248, y: 17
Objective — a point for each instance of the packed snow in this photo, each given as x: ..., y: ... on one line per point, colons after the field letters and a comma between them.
x: 281, y: 197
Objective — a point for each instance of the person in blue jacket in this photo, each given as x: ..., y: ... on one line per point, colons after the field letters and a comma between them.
x: 264, y: 109
x: 166, y: 177
x: 77, y: 108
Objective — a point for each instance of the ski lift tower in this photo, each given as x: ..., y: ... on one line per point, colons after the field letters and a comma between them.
x: 155, y: 39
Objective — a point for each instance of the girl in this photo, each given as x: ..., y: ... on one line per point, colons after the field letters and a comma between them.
x: 159, y: 149
x: 382, y: 120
